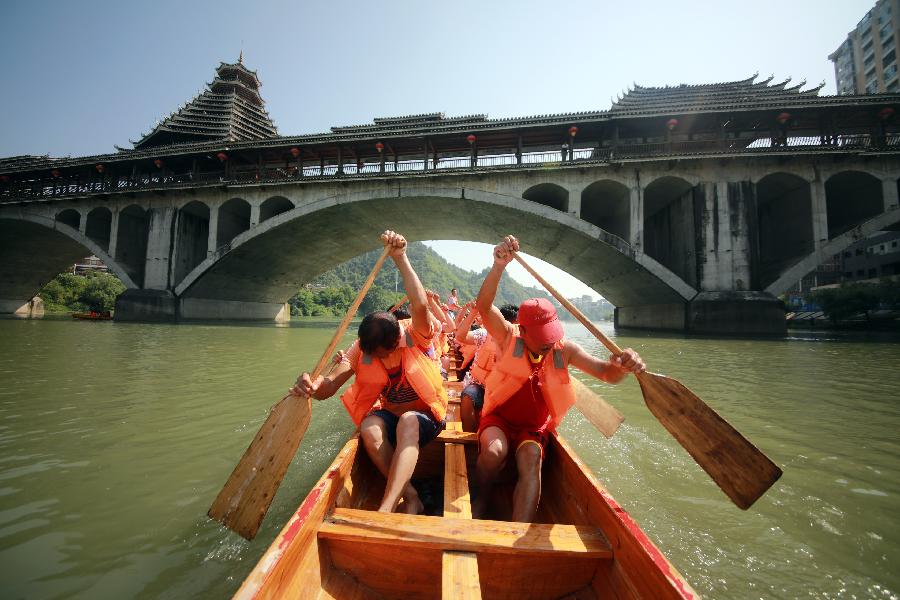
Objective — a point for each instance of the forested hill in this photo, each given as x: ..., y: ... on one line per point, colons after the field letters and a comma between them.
x: 332, y: 292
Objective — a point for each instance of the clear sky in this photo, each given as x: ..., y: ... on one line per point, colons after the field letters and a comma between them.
x: 83, y: 76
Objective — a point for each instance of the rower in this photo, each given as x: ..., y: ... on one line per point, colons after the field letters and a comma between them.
x: 528, y: 392
x: 472, y: 396
x: 397, y: 398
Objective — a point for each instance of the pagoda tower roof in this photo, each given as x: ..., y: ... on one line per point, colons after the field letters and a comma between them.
x: 229, y: 109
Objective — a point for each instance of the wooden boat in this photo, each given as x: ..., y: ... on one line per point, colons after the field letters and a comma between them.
x: 583, y: 545
x: 92, y: 316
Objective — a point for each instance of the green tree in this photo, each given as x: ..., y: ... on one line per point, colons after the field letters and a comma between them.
x: 100, y: 291
x: 378, y: 298
x: 63, y: 291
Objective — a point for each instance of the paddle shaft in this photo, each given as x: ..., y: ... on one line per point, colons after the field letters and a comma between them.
x: 351, y: 312
x: 403, y: 301
x: 610, y: 345
x: 245, y: 498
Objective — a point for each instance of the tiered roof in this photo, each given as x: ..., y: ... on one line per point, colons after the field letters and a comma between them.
x: 711, y: 97
x: 230, y: 109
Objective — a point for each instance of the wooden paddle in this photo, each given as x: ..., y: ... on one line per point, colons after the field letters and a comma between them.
x: 738, y: 467
x: 246, y: 496
x: 596, y: 410
x: 403, y: 301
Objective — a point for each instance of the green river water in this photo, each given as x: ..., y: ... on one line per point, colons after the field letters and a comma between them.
x: 116, y: 437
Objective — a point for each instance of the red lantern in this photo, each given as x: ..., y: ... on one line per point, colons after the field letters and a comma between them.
x: 100, y: 167
x: 222, y: 156
x: 471, y: 138
x: 380, y: 147
x: 295, y: 152
x: 158, y: 162
x: 671, y: 124
x: 885, y: 113
x: 55, y: 172
x: 4, y: 178
x: 573, y: 131
x: 783, y: 118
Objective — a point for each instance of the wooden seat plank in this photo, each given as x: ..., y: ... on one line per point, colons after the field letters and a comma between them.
x: 459, y: 578
x: 465, y: 535
x: 452, y: 436
x: 456, y: 482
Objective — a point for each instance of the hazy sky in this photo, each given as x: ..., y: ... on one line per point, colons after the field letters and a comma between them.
x: 81, y: 77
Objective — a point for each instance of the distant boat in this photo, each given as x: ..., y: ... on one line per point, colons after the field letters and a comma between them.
x: 93, y: 315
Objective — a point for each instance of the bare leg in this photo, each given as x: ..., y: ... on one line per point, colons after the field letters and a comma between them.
x: 374, y: 435
x: 528, y: 488
x: 468, y: 415
x: 493, y: 448
x: 402, y: 465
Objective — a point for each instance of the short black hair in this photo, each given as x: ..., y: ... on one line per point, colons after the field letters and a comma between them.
x: 378, y: 330
x: 510, y: 312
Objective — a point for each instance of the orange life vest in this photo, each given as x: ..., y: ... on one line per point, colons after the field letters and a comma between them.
x: 485, y: 358
x: 512, y: 370
x: 371, y: 378
x: 468, y: 352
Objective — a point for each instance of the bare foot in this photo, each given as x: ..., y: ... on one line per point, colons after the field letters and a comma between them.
x: 412, y: 506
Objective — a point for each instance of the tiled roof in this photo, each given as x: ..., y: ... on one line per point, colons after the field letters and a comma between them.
x: 230, y: 109
x: 713, y: 96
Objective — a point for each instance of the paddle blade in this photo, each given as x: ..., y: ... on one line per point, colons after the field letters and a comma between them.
x: 737, y: 466
x: 246, y: 496
x: 595, y: 409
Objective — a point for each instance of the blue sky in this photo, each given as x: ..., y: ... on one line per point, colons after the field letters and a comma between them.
x: 81, y: 77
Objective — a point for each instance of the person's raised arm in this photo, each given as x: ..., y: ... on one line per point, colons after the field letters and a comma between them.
x: 463, y: 331
x: 418, y: 301
x: 491, y: 316
x: 438, y: 311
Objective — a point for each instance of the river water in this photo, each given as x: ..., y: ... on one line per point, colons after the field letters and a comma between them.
x: 116, y: 437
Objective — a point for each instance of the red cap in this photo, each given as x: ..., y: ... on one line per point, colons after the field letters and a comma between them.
x: 540, y: 321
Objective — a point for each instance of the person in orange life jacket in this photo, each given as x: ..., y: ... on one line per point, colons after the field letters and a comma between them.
x: 472, y: 396
x: 528, y: 391
x: 397, y: 398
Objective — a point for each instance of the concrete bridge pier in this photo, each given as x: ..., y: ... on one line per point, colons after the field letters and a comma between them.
x: 712, y: 313
x: 160, y: 306
x: 33, y: 309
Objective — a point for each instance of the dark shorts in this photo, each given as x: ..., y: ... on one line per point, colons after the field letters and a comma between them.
x: 429, y: 427
x: 475, y: 391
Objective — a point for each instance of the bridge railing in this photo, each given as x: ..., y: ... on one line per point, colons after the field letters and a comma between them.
x: 51, y: 188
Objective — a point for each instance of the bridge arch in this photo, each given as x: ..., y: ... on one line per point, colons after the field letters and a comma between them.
x: 274, y: 206
x: 131, y: 240
x: 606, y: 204
x: 785, y: 228
x: 335, y: 228
x: 99, y: 226
x: 549, y: 194
x: 70, y: 217
x: 48, y: 247
x: 669, y: 225
x: 192, y: 237
x: 852, y: 197
x: 233, y: 219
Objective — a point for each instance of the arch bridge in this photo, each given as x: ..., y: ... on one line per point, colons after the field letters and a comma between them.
x: 689, y: 208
